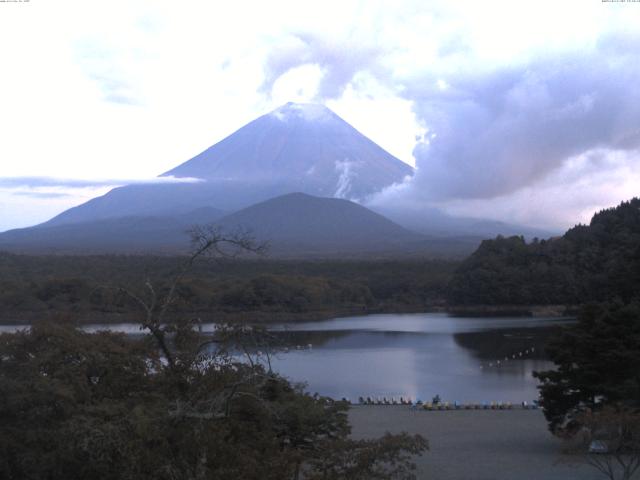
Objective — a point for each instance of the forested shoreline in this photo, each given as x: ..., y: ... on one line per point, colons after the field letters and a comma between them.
x: 505, y: 276
x: 598, y: 262
x: 88, y: 288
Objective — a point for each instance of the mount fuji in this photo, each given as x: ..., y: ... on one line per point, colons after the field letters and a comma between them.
x: 297, y: 148
x: 291, y: 176
x: 297, y: 177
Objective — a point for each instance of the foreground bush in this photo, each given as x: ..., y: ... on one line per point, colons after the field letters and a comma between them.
x: 75, y: 405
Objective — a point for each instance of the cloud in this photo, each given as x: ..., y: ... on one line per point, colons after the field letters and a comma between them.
x: 545, y: 140
x: 106, y: 65
x: 570, y: 195
x: 135, y: 90
x: 37, y: 194
x: 493, y: 133
x: 347, y: 174
x: 37, y: 182
x: 116, y: 90
x: 338, y: 64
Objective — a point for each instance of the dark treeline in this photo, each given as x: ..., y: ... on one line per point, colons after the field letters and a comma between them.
x: 262, y: 289
x: 75, y: 405
x: 598, y: 360
x: 595, y: 262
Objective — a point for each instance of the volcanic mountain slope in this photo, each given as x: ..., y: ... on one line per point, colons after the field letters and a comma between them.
x: 298, y: 223
x: 302, y: 145
x: 301, y: 148
x: 296, y: 148
x: 295, y: 225
x: 127, y: 234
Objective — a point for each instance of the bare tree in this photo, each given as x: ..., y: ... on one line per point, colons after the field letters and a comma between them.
x: 609, y: 441
x: 206, y: 240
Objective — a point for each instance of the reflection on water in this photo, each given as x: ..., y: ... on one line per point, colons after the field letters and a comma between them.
x: 416, y: 355
x: 419, y: 355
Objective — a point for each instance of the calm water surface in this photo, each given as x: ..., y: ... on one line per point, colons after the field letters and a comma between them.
x: 419, y: 355
x: 416, y: 355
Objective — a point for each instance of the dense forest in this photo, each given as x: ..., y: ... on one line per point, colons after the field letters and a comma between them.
x: 87, y: 287
x: 597, y: 363
x: 595, y: 262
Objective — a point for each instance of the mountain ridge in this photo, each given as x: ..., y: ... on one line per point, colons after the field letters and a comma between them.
x: 300, y: 221
x: 295, y: 225
x: 286, y: 150
x: 304, y: 148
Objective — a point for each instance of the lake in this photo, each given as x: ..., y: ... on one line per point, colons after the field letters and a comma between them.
x: 419, y: 356
x: 480, y: 359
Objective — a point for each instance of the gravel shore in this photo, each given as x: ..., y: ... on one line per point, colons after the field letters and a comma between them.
x: 476, y: 444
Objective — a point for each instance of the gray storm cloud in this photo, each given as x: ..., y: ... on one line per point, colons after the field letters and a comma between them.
x: 495, y: 133
x: 494, y: 130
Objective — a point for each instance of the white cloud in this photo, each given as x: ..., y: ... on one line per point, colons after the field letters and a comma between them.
x: 365, y: 103
x: 38, y: 182
x: 583, y: 185
x: 131, y: 89
x: 345, y: 168
x: 299, y: 84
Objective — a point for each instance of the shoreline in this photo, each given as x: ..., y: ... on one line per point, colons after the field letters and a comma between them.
x: 476, y: 444
x: 267, y: 317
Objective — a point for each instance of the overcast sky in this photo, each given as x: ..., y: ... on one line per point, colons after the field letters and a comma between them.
x: 523, y: 111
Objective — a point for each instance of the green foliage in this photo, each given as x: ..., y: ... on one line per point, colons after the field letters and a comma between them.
x: 33, y: 286
x: 75, y: 405
x: 598, y: 262
x: 598, y: 364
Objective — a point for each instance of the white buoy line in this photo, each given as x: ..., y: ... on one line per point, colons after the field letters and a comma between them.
x: 514, y: 356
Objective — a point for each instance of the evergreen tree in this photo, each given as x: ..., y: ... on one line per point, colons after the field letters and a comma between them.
x: 598, y: 364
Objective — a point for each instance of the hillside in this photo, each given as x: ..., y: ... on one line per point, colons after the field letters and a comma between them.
x: 302, y: 145
x: 129, y: 234
x: 295, y: 225
x: 300, y: 223
x: 594, y: 262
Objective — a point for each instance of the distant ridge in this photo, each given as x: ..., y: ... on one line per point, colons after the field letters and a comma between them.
x: 295, y: 225
x: 129, y: 234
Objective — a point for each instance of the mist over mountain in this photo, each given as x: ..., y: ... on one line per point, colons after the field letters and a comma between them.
x: 432, y: 221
